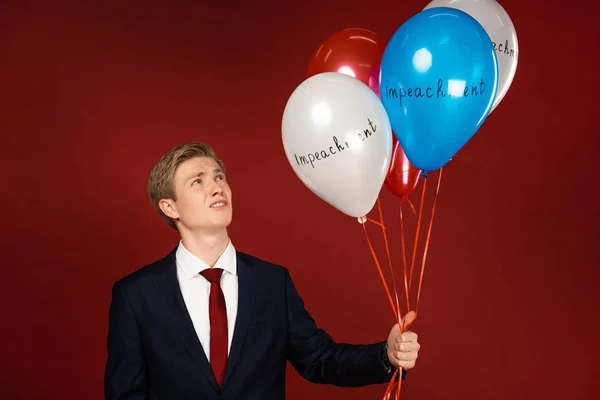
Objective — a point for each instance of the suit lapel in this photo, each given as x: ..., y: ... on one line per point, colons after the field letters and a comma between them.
x: 168, y: 288
x: 247, y: 287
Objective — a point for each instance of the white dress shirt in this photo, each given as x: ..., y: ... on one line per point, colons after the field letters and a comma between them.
x: 196, y: 290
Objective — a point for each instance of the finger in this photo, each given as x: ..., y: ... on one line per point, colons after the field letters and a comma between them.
x: 408, y: 337
x: 405, y: 356
x: 406, y: 364
x: 408, y: 319
x: 408, y: 346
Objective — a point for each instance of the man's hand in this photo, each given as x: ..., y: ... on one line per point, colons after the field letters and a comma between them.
x: 403, y: 348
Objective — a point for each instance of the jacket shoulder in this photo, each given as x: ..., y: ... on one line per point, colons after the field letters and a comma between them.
x: 256, y: 262
x: 147, y: 272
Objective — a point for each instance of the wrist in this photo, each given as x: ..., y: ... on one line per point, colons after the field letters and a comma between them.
x: 385, y: 360
x: 387, y: 365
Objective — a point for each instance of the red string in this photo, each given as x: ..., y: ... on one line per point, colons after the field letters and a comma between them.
x: 414, y: 254
x: 387, y: 290
x: 387, y: 250
x: 427, y: 240
x: 412, y: 207
x: 404, y: 259
x: 407, y: 279
x: 399, y: 387
x: 391, y: 385
x: 376, y: 222
x: 396, y: 310
x: 404, y: 199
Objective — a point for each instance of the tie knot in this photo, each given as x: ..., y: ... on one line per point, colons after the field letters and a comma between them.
x: 212, y: 274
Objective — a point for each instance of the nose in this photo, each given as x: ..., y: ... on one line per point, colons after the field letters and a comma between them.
x: 216, y: 190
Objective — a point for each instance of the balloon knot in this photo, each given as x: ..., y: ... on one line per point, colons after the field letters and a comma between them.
x: 424, y: 175
x: 362, y: 220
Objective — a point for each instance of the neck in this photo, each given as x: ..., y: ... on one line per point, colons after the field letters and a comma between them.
x: 206, y: 246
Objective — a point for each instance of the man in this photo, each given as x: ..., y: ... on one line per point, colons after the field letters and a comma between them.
x: 208, y: 322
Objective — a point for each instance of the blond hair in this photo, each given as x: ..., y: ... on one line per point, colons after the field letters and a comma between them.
x: 160, y: 181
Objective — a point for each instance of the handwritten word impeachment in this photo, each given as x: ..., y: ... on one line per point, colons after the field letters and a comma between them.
x: 455, y: 88
x: 505, y: 49
x: 337, y: 147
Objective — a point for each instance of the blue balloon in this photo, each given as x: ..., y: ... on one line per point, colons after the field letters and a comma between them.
x: 438, y: 81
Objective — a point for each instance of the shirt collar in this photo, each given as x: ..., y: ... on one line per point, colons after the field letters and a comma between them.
x: 192, y: 265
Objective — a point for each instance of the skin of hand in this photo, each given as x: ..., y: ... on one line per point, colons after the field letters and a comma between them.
x: 403, y: 347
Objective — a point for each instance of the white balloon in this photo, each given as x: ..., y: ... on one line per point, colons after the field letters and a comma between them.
x: 338, y: 139
x: 498, y: 25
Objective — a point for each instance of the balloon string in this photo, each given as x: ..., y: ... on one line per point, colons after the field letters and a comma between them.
x: 414, y: 254
x: 392, y: 383
x: 387, y: 290
x: 404, y: 198
x: 377, y: 223
x: 404, y: 259
x: 387, y: 250
x: 398, y: 385
x: 427, y: 240
x: 391, y: 386
x: 406, y: 290
x: 412, y: 206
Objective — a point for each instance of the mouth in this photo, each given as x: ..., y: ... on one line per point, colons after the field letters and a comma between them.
x: 218, y: 204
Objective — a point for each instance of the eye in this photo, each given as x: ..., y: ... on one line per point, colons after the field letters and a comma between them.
x: 199, y: 181
x: 220, y: 177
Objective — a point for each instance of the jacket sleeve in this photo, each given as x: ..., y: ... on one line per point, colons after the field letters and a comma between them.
x: 315, y: 355
x: 125, y: 374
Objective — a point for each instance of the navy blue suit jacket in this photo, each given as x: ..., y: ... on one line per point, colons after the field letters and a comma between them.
x: 154, y: 352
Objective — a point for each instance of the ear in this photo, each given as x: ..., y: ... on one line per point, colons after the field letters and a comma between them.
x: 168, y: 207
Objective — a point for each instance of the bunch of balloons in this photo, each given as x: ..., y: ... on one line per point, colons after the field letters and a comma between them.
x: 372, y: 113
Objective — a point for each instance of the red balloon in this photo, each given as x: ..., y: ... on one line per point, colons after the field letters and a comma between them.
x: 355, y: 52
x: 402, y: 178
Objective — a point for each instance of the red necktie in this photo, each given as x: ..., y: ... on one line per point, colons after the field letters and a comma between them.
x: 218, y: 324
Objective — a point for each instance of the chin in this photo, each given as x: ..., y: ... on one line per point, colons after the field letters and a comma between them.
x: 221, y: 223
x: 213, y: 225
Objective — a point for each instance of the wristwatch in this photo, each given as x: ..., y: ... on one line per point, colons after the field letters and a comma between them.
x: 389, y: 368
x: 385, y: 360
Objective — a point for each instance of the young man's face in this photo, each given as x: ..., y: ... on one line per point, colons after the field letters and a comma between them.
x: 203, y: 196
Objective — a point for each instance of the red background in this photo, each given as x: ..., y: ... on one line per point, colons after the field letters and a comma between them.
x: 93, y: 94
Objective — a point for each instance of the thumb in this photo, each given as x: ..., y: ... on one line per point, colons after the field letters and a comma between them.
x: 408, y: 319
